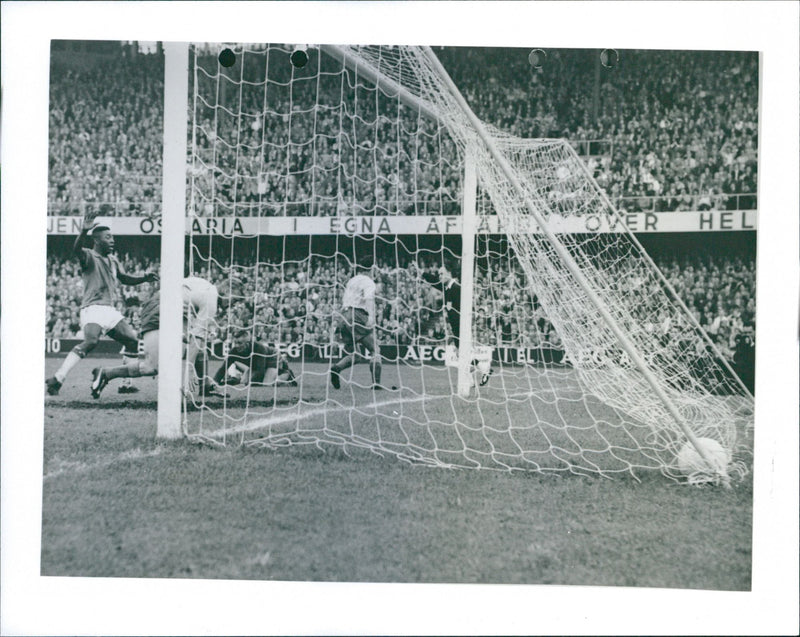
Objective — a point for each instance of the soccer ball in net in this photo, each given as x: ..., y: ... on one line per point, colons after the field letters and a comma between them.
x: 692, y: 464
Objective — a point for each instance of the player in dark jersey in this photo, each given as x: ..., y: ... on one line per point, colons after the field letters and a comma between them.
x: 262, y: 362
x: 148, y: 364
x: 450, y: 287
x: 102, y: 272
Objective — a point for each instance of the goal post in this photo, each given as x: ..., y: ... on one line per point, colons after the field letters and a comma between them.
x: 468, y: 226
x: 298, y: 171
x: 568, y: 260
x: 173, y: 233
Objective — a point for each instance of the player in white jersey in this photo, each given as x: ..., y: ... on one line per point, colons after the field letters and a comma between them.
x: 357, y: 325
x: 200, y: 299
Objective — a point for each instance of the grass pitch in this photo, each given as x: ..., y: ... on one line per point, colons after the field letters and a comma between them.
x: 117, y: 503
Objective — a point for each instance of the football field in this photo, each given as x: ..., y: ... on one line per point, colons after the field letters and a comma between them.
x: 118, y: 503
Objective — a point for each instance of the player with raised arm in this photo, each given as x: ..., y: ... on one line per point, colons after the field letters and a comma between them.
x: 357, y: 325
x: 450, y: 287
x: 101, y: 272
x: 252, y: 362
x: 200, y: 301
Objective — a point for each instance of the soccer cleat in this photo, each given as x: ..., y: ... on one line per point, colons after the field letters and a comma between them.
x: 289, y: 381
x: 335, y: 379
x: 52, y: 385
x: 128, y: 389
x: 377, y: 387
x: 209, y: 391
x: 485, y: 377
x: 99, y: 381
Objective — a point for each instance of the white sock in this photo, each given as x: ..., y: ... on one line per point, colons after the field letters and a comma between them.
x: 126, y: 360
x: 70, y: 361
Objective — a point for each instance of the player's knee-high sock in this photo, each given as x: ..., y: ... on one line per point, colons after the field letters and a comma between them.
x: 122, y: 371
x: 204, y: 381
x: 126, y: 362
x: 134, y: 369
x: 219, y: 375
x: 72, y: 359
x: 140, y: 368
x: 343, y: 364
x: 200, y: 365
x: 375, y: 370
x: 451, y: 355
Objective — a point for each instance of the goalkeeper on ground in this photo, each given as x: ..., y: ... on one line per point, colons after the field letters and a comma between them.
x: 253, y: 363
x: 450, y: 287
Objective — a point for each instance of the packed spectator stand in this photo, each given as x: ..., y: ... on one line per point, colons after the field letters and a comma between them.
x: 661, y: 131
x: 105, y: 135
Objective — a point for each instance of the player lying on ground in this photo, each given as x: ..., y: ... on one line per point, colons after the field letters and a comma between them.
x: 200, y: 301
x: 450, y: 287
x: 101, y: 272
x: 357, y: 325
x: 252, y: 362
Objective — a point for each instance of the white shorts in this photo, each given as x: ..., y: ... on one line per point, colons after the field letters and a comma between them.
x: 201, y: 298
x: 150, y: 348
x: 105, y: 316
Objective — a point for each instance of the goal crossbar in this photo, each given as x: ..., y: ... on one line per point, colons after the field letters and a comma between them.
x: 366, y: 70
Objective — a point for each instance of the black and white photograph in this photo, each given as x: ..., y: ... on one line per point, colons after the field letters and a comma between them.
x: 402, y: 314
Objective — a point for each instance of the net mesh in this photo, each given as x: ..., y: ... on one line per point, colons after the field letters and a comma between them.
x: 363, y: 140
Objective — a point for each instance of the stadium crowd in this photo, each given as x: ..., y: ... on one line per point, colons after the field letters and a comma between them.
x: 105, y: 139
x: 294, y: 302
x: 665, y: 130
x: 670, y: 130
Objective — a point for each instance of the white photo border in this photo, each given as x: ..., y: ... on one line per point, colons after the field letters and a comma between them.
x: 32, y: 604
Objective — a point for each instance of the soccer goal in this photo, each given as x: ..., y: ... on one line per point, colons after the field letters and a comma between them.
x: 304, y: 161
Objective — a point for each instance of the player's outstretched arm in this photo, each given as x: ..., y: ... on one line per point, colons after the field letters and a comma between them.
x: 431, y: 278
x: 133, y: 279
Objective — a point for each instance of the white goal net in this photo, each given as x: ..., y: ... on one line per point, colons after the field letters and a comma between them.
x: 303, y: 165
